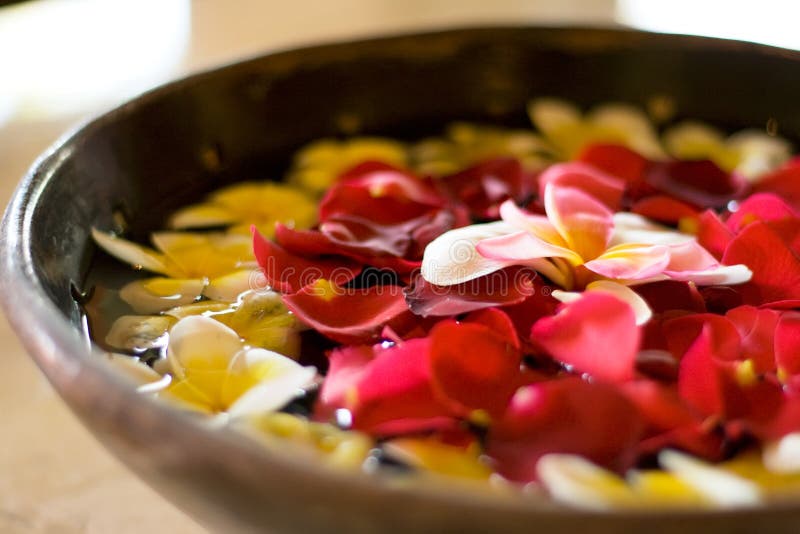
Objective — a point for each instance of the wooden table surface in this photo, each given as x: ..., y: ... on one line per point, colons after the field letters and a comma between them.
x: 54, y: 477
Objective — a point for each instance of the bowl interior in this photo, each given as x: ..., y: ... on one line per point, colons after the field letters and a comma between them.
x: 241, y: 122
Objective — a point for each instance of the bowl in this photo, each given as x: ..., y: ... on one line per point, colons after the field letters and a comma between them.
x: 171, y: 145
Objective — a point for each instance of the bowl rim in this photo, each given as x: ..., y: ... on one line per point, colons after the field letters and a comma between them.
x: 75, y: 367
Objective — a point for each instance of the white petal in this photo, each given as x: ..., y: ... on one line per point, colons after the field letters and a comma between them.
x: 227, y: 288
x: 719, y: 486
x: 578, y: 482
x: 139, y: 332
x: 200, y: 338
x: 144, y: 376
x: 273, y: 394
x: 783, y: 455
x: 452, y: 258
x: 154, y: 295
x: 633, y: 228
x: 760, y: 153
x: 727, y: 275
x: 138, y: 256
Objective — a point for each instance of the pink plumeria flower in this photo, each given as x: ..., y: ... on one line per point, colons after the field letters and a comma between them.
x: 578, y: 241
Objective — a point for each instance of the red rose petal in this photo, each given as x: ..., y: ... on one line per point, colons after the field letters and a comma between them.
x: 759, y: 207
x: 596, y: 334
x: 701, y: 182
x: 776, y: 269
x: 713, y: 234
x: 784, y: 182
x: 787, y: 343
x: 483, y: 187
x: 664, y: 209
x: 287, y: 272
x: 617, y: 160
x: 474, y: 367
x: 507, y: 286
x: 350, y: 315
x: 757, y: 331
x: 564, y: 416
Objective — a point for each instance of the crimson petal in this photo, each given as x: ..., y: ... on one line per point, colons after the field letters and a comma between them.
x: 564, y: 416
x: 596, y: 334
x: 349, y: 315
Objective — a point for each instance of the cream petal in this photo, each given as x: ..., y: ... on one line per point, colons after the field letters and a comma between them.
x: 139, y: 332
x: 783, y: 456
x: 633, y: 228
x: 551, y: 114
x: 201, y: 216
x: 693, y: 140
x: 154, y: 295
x: 452, y: 258
x: 639, y: 132
x: 227, y: 288
x: 718, y: 485
x: 575, y: 481
x: 760, y: 153
x: 631, y: 262
x: 273, y: 394
x: 138, y: 256
x: 145, y: 377
x: 201, y: 341
x: 727, y: 275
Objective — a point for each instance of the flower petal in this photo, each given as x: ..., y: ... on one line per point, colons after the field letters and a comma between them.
x: 452, y: 257
x: 153, y: 295
x: 568, y: 415
x: 201, y: 343
x: 775, y: 268
x: 584, y: 223
x: 138, y: 256
x: 622, y: 292
x: 598, y: 319
x: 631, y: 262
x: 592, y: 181
x: 349, y: 315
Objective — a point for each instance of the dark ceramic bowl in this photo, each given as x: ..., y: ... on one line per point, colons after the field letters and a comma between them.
x: 173, y: 144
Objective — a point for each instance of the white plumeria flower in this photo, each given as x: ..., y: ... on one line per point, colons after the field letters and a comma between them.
x: 783, y: 455
x: 215, y: 372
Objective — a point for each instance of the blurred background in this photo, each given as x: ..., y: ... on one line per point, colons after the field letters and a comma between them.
x: 62, y: 61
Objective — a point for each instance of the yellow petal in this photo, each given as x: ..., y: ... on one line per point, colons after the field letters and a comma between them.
x: 201, y: 216
x: 336, y: 448
x: 146, y: 379
x: 201, y: 344
x: 205, y: 255
x: 437, y: 457
x: 262, y: 320
x: 153, y: 295
x: 227, y: 288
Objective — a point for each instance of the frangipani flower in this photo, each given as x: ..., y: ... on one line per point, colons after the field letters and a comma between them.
x: 251, y: 203
x: 751, y: 153
x: 578, y: 231
x: 569, y: 131
x: 182, y: 255
x: 215, y: 372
